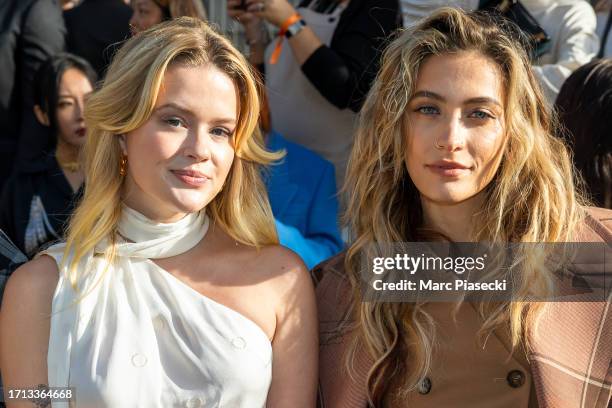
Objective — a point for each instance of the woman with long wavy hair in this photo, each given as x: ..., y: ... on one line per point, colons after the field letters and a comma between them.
x: 170, y: 288
x: 455, y: 144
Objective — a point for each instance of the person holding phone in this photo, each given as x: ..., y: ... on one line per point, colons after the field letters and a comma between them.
x: 319, y: 67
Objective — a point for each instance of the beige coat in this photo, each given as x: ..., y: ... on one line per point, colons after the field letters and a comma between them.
x: 570, y: 365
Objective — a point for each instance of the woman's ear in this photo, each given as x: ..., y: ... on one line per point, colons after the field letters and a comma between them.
x: 41, y: 116
x: 123, y: 144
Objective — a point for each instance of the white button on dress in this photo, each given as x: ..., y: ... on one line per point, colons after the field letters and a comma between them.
x: 138, y: 360
x: 239, y: 343
x: 143, y: 338
x: 194, y: 402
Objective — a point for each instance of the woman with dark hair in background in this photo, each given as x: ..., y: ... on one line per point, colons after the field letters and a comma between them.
x: 32, y: 31
x: 584, y: 106
x: 148, y: 13
x: 39, y: 197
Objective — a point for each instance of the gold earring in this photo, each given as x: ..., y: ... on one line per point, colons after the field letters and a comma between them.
x: 123, y: 166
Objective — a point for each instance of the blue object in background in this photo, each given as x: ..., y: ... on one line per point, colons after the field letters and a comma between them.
x: 302, y: 193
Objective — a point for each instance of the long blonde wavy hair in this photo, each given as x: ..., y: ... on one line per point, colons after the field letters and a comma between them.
x: 532, y: 197
x: 126, y: 101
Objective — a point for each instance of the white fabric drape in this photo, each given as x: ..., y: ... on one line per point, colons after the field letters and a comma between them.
x: 140, y: 337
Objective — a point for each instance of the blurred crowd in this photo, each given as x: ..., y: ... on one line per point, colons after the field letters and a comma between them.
x: 55, y: 53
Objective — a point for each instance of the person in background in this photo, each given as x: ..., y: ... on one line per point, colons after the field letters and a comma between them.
x: 318, y: 71
x: 454, y: 146
x: 173, y: 240
x: 10, y: 259
x: 570, y: 24
x: 96, y: 28
x: 40, y: 196
x: 148, y: 13
x: 303, y: 196
x: 31, y: 31
x: 584, y: 106
x: 603, y: 10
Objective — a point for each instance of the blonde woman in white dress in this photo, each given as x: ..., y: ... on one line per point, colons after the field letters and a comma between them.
x: 170, y: 289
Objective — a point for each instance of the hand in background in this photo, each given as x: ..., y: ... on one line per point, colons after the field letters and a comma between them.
x: 253, y: 24
x: 274, y: 11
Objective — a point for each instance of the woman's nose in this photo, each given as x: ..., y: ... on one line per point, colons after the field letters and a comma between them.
x: 452, y: 135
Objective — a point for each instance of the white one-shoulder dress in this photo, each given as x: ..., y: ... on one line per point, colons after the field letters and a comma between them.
x: 136, y: 336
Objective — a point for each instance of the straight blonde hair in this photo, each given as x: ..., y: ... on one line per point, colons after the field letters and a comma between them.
x: 532, y: 197
x: 126, y: 101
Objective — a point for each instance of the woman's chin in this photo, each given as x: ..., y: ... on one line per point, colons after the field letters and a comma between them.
x: 447, y: 197
x: 191, y: 203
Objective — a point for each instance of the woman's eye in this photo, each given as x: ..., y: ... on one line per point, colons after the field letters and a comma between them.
x: 428, y: 110
x: 63, y: 104
x: 175, y: 122
x: 221, y: 132
x: 480, y: 114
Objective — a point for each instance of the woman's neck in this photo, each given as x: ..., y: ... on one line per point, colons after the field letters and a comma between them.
x: 454, y: 221
x: 66, y: 152
x: 68, y: 159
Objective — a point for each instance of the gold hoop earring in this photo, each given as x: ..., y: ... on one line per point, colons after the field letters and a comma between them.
x: 123, y: 166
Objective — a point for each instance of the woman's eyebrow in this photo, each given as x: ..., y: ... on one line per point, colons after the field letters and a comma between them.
x: 428, y: 94
x: 172, y: 105
x: 224, y: 121
x: 185, y: 111
x: 483, y: 99
x: 478, y: 99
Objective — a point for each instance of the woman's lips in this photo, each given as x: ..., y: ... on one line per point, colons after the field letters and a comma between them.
x: 191, y: 178
x: 448, y: 169
x: 81, y: 132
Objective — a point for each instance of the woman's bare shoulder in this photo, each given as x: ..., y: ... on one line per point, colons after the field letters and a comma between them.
x: 32, y: 285
x: 280, y: 263
x: 25, y: 321
x: 272, y: 267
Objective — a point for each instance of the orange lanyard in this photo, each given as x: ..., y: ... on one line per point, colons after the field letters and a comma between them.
x: 294, y: 18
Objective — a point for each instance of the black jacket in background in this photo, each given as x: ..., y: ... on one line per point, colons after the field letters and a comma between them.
x: 30, y: 32
x: 343, y: 72
x: 95, y: 30
x: 20, y: 211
